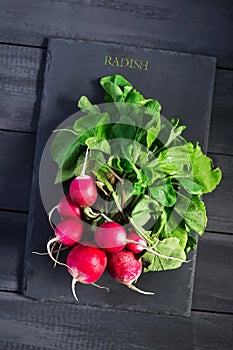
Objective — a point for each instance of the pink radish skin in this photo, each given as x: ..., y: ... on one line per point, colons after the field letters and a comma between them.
x: 66, y: 208
x: 125, y: 268
x: 83, y: 191
x: 67, y: 232
x: 111, y: 237
x: 86, y: 265
x: 133, y: 247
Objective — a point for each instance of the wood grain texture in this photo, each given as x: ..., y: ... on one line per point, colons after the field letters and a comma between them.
x: 27, y: 325
x: 21, y: 70
x: 197, y: 27
x: 219, y: 203
x: 12, y: 241
x: 20, y: 84
x: 220, y: 139
x: 213, y: 287
x: 16, y: 161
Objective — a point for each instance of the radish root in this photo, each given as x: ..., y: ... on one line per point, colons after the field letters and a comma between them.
x: 52, y: 251
x: 73, y: 284
x: 69, y: 130
x: 101, y: 287
x: 51, y: 241
x: 156, y: 253
x: 50, y: 217
x: 137, y: 289
x: 58, y: 252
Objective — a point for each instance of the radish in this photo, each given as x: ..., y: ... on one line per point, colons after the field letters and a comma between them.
x: 86, y: 265
x: 83, y: 191
x: 68, y: 232
x: 66, y: 208
x: 133, y: 247
x: 111, y: 237
x: 125, y: 268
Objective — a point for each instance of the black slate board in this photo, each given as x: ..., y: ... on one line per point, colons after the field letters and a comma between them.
x: 183, y: 84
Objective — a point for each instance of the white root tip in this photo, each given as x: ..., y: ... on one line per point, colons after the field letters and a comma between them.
x: 101, y: 287
x: 38, y: 253
x: 137, y: 289
x: 74, y: 281
x: 50, y: 213
x: 52, y: 251
x: 58, y: 252
x: 161, y: 255
x: 51, y: 241
x: 68, y: 130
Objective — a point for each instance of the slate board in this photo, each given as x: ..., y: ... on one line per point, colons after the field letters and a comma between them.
x: 183, y: 84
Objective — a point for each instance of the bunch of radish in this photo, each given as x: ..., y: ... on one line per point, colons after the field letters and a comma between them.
x: 111, y: 249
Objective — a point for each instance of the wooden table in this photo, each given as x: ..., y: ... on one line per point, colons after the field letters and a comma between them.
x: 203, y: 27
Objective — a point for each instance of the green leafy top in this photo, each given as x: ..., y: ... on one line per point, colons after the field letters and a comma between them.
x: 148, y: 174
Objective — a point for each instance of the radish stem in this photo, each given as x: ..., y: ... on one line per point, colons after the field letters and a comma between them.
x: 139, y: 230
x: 90, y: 211
x: 122, y: 185
x: 83, y: 171
x: 106, y: 217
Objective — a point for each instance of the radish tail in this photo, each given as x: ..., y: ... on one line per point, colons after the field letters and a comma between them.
x: 38, y: 253
x: 51, y: 241
x: 101, y: 287
x: 155, y: 252
x: 53, y: 251
x: 69, y: 130
x: 138, y: 290
x: 50, y: 217
x: 74, y: 281
x: 58, y: 252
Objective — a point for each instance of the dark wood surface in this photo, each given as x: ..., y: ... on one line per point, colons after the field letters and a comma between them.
x: 193, y: 26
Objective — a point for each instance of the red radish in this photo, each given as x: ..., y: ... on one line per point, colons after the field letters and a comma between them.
x: 83, y: 191
x: 86, y: 265
x: 68, y: 232
x: 125, y: 268
x: 111, y: 237
x: 133, y: 247
x: 66, y: 208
